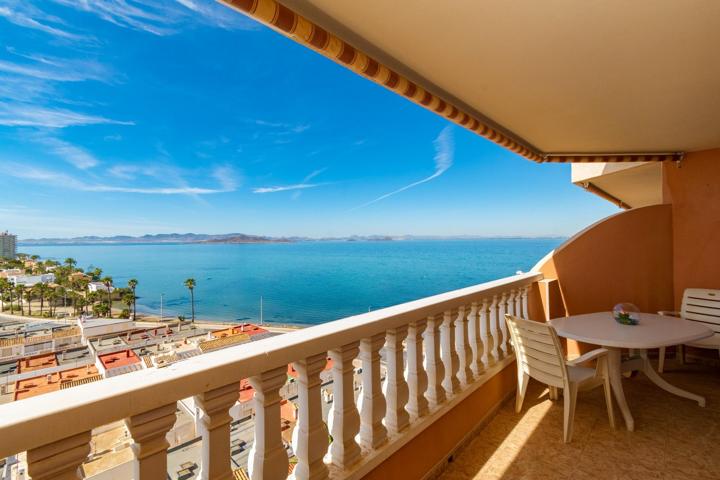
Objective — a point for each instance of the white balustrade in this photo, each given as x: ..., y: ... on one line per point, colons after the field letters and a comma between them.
x: 494, y: 329
x: 373, y: 433
x: 435, y: 393
x: 450, y: 359
x: 59, y: 460
x: 485, y: 336
x: 396, y: 392
x: 416, y: 376
x: 312, y: 434
x: 268, y: 458
x: 463, y: 348
x: 148, y: 431
x: 215, y: 431
x: 344, y: 450
x: 502, y: 309
x: 435, y: 348
x: 525, y: 292
x: 476, y: 342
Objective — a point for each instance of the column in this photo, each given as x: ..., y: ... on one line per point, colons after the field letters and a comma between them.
x: 59, y: 460
x: 344, y: 451
x: 487, y: 340
x: 494, y: 332
x: 312, y: 434
x: 397, y: 418
x: 148, y: 431
x: 476, y: 346
x: 450, y: 358
x: 215, y: 422
x: 435, y: 393
x: 417, y: 379
x: 462, y: 346
x: 372, y: 431
x: 268, y: 458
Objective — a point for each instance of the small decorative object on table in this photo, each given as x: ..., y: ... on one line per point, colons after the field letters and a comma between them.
x: 626, y: 314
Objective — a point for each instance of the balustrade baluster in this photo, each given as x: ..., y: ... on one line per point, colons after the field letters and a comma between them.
x: 417, y: 379
x: 344, y: 450
x: 451, y: 362
x: 397, y: 418
x: 485, y: 336
x: 268, y: 458
x: 148, y: 431
x: 525, y: 293
x: 476, y: 345
x: 494, y: 329
x: 462, y: 346
x: 311, y: 440
x: 372, y: 431
x: 215, y: 426
x: 502, y: 310
x: 59, y: 460
x: 434, y: 367
x: 518, y: 303
x: 510, y: 310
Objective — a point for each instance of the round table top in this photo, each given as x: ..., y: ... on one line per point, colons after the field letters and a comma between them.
x: 653, y: 331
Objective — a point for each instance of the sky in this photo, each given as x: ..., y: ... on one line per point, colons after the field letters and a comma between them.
x: 122, y: 117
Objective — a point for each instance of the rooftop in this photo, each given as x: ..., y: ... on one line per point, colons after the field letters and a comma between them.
x: 32, y: 387
x: 118, y: 359
x: 39, y: 362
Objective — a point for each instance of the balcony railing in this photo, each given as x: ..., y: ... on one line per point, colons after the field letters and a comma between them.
x: 437, y: 351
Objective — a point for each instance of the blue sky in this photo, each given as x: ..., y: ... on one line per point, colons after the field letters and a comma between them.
x: 134, y: 117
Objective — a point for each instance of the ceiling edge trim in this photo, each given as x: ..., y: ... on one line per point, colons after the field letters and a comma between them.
x: 298, y: 28
x: 611, y: 157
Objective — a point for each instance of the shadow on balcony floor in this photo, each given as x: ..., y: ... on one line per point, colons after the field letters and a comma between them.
x: 674, y: 438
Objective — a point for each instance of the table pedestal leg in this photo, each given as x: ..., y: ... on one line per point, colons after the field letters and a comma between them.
x: 615, y: 373
x: 660, y: 382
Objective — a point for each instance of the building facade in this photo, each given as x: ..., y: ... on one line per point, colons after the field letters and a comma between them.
x: 8, y: 245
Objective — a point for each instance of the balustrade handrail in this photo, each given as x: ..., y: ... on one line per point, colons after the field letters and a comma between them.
x: 47, y: 418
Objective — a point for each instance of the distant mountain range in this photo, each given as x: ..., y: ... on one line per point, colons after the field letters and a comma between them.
x: 195, y: 238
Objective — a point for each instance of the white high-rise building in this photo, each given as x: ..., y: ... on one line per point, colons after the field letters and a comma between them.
x: 8, y: 245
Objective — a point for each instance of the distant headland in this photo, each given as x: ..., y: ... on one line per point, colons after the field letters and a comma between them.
x: 234, y: 238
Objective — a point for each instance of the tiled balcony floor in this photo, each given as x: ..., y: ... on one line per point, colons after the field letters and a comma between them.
x: 674, y: 438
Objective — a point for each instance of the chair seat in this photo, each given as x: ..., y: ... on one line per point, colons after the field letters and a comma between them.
x: 709, y: 342
x: 579, y: 374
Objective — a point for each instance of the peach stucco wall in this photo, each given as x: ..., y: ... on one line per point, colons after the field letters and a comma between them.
x: 693, y: 190
x: 627, y: 257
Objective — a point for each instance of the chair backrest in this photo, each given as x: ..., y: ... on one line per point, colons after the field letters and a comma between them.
x: 538, y: 351
x: 702, y: 305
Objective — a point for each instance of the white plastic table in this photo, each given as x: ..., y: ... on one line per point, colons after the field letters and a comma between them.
x: 653, y: 331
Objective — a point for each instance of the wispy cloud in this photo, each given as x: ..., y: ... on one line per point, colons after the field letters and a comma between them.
x: 74, y: 155
x: 24, y: 14
x: 15, y: 114
x: 63, y: 180
x: 444, y: 153
x: 304, y: 185
x: 162, y: 18
x: 56, y: 69
x: 285, y: 188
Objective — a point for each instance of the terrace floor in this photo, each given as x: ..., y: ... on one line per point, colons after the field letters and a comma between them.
x: 674, y: 438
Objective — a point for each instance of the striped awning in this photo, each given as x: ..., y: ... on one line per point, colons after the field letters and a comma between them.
x: 300, y: 29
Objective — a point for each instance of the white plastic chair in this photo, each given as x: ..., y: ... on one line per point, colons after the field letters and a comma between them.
x: 698, y: 305
x: 539, y: 355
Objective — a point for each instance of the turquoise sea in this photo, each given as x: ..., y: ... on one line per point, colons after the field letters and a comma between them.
x: 304, y: 282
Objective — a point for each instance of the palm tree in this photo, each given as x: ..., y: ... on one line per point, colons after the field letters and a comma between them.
x: 29, y: 298
x: 108, y: 281
x: 132, y: 283
x: 41, y: 289
x: 4, y: 287
x: 95, y: 274
x: 70, y: 262
x: 190, y: 284
x: 19, y: 291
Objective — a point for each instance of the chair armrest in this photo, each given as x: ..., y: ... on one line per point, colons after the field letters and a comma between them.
x: 591, y: 355
x: 669, y: 313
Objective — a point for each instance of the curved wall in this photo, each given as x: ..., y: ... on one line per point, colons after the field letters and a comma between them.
x: 627, y: 257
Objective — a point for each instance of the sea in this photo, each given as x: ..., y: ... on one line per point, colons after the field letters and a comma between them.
x: 301, y: 283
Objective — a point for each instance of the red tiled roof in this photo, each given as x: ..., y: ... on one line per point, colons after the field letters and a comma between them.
x: 37, y: 363
x: 118, y: 359
x: 31, y: 387
x: 246, y: 328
